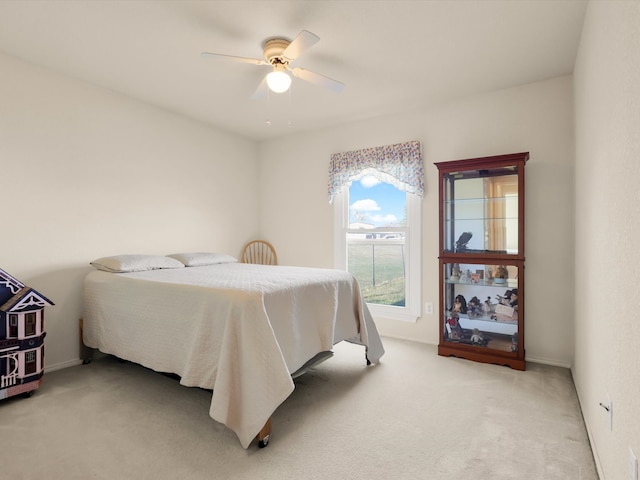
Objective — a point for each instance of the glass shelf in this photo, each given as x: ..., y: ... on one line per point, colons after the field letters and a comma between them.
x: 486, y: 283
x: 476, y: 200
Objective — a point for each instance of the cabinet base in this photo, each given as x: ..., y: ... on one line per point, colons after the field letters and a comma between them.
x: 483, y: 357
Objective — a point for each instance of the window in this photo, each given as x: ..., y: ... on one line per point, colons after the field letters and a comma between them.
x: 30, y: 362
x: 378, y: 241
x: 377, y: 195
x: 13, y: 325
x: 29, y: 324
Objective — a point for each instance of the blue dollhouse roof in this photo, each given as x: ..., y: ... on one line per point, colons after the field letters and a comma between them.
x: 14, y: 295
x: 25, y: 299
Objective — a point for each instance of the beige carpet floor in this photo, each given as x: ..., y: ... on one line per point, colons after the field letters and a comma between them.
x: 413, y: 416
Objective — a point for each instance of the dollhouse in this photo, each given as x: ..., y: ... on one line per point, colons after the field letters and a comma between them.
x: 21, y: 337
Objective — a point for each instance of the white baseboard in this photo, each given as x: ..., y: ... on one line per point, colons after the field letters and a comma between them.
x: 592, y: 443
x: 60, y: 366
x: 543, y: 361
x: 552, y: 363
x: 408, y: 339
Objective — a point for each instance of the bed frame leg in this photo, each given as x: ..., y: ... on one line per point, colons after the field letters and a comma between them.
x: 86, y: 353
x: 264, y: 434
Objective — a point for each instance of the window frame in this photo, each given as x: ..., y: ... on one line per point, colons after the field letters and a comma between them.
x: 13, y: 324
x: 30, y: 362
x: 30, y: 324
x: 413, y: 254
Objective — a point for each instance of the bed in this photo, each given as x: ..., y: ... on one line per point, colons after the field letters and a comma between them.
x: 238, y: 329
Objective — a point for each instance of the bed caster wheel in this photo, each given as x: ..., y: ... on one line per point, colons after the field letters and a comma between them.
x: 263, y: 435
x: 263, y: 442
x: 27, y: 394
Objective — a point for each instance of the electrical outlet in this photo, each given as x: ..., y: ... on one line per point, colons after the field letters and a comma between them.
x: 428, y: 308
x: 633, y: 465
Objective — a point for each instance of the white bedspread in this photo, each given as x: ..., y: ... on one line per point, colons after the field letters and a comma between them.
x: 236, y: 328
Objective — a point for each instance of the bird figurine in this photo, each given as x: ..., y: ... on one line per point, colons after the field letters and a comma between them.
x: 461, y: 244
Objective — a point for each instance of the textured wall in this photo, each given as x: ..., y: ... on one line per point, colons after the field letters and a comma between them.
x: 607, y: 119
x: 296, y: 216
x: 86, y: 173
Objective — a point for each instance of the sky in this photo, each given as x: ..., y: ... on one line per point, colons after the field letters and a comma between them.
x: 376, y: 203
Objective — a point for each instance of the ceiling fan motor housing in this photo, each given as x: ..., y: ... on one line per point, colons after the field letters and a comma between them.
x: 273, y: 49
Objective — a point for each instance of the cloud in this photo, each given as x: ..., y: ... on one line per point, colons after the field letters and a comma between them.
x: 369, y: 181
x: 387, y: 219
x: 366, y: 205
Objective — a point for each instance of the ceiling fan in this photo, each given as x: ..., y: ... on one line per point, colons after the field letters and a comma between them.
x: 279, y: 53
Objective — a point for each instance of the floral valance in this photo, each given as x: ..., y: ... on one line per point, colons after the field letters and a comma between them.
x: 399, y: 164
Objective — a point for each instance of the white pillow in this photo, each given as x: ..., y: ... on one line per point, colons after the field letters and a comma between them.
x: 135, y: 263
x: 199, y: 259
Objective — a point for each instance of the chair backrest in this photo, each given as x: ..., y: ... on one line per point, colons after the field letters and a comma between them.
x: 259, y: 252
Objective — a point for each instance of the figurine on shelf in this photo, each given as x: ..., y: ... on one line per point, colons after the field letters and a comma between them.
x: 504, y: 299
x: 510, y: 298
x: 455, y: 272
x: 477, y: 338
x: 489, y: 277
x: 454, y: 330
x: 514, y: 342
x: 464, y: 276
x: 460, y: 305
x: 473, y: 308
x: 513, y: 299
x: 461, y: 244
x: 488, y: 307
x: 501, y: 275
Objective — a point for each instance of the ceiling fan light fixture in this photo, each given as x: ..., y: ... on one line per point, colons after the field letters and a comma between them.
x: 279, y: 52
x: 278, y: 81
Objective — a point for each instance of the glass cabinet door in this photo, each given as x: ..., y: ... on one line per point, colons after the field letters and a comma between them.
x: 481, y: 211
x: 481, y: 305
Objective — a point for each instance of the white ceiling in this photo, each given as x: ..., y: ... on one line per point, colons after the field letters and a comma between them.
x: 392, y: 55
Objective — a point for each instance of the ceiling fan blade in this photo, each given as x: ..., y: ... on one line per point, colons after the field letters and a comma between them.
x: 233, y: 58
x: 318, y: 79
x: 300, y: 44
x: 261, y: 91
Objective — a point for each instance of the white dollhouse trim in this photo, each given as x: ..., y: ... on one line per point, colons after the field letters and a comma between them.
x: 33, y: 299
x: 11, y: 377
x: 13, y: 284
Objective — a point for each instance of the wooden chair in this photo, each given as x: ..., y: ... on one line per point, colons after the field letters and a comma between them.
x: 259, y: 252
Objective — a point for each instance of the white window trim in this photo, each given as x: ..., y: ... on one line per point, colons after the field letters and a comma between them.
x: 413, y: 242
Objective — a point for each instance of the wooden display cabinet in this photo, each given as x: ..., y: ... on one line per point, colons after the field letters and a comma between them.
x: 482, y: 259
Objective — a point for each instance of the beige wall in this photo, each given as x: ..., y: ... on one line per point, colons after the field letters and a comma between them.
x: 85, y: 172
x: 296, y: 217
x: 607, y: 119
